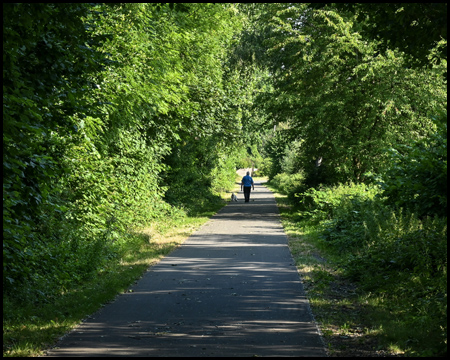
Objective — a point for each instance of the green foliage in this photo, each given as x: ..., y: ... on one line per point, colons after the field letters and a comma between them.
x: 265, y: 167
x: 274, y: 149
x: 224, y: 173
x: 325, y: 202
x: 119, y: 115
x: 414, y: 28
x: 98, y: 100
x: 398, y: 244
x: 249, y: 157
x: 393, y: 253
x: 396, y: 258
x: 49, y: 54
x: 417, y: 179
x: 405, y: 259
x: 340, y: 96
x: 197, y: 172
x: 288, y: 184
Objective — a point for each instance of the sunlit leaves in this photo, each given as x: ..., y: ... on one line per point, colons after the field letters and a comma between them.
x: 96, y: 97
x: 344, y: 98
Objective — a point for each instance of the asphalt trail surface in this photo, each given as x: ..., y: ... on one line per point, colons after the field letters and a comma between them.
x: 231, y: 289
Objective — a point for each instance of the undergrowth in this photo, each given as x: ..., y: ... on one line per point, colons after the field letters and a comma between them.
x: 30, y: 326
x: 376, y: 276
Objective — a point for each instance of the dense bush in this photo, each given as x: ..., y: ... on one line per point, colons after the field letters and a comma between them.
x: 325, y: 202
x: 265, y: 167
x: 275, y: 149
x: 417, y: 179
x: 398, y: 245
x: 358, y: 223
x: 404, y: 259
x: 349, y: 227
x: 198, y: 171
x: 223, y: 174
x: 389, y: 252
x: 288, y: 184
x: 50, y: 54
x: 107, y: 128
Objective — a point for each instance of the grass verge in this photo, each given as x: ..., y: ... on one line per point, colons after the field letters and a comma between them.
x: 29, y: 329
x: 353, y: 323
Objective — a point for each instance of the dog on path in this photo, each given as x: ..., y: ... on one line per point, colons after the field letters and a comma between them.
x: 234, y: 197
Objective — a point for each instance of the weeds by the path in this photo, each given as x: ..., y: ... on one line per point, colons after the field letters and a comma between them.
x: 353, y: 320
x: 30, y: 328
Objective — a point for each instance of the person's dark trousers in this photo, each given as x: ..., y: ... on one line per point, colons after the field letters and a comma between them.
x: 247, y: 193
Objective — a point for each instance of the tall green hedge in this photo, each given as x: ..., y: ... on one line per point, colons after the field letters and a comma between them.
x: 108, y: 111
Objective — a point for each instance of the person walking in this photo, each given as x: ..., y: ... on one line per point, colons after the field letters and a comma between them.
x: 247, y: 183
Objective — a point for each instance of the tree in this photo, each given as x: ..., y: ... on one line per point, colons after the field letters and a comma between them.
x: 97, y: 98
x: 340, y: 96
x: 414, y: 28
x: 417, y: 179
x: 49, y: 53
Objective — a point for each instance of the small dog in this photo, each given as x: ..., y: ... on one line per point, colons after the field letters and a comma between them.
x: 234, y: 197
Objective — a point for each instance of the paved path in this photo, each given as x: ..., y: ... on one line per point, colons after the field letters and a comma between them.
x: 230, y: 290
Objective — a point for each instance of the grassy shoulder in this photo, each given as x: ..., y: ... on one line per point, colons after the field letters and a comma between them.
x: 353, y: 321
x: 29, y: 329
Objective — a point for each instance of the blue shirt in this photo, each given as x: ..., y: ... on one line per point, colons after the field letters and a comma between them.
x: 247, y: 181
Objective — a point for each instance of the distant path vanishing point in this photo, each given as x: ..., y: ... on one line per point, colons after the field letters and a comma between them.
x: 231, y: 289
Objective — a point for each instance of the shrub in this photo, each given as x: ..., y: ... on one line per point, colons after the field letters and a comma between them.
x: 348, y: 230
x: 406, y: 261
x: 394, y: 255
x: 265, y: 167
x: 329, y: 202
x: 401, y: 243
x: 417, y: 179
x: 287, y: 184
